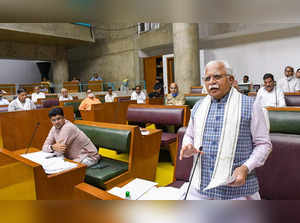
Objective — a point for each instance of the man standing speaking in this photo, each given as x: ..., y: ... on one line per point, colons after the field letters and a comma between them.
x: 232, y: 130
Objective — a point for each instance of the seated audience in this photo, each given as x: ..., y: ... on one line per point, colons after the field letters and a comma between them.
x: 124, y: 86
x: 246, y: 85
x: 138, y: 95
x: 175, y: 98
x: 64, y: 95
x: 289, y: 83
x: 3, y: 101
x: 21, y: 103
x: 270, y: 95
x: 110, y: 96
x: 157, y: 90
x: 96, y: 77
x: 37, y: 94
x: 87, y: 103
x: 66, y: 139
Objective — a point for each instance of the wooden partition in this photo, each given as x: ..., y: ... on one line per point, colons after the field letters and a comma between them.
x: 112, y: 112
x: 9, y: 88
x: 186, y: 114
x: 195, y: 94
x: 41, y: 186
x: 17, y: 127
x: 122, y: 98
x: 95, y: 85
x: 71, y: 86
x: 155, y: 101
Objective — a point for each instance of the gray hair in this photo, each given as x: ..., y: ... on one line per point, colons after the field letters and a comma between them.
x: 224, y: 62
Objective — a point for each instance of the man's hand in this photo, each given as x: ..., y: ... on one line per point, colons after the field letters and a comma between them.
x: 240, y: 174
x: 188, y: 151
x: 59, y: 147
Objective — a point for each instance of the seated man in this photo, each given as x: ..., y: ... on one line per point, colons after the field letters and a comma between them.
x: 124, y: 86
x: 138, y: 95
x: 110, y: 96
x: 289, y: 83
x: 96, y: 77
x: 175, y: 98
x: 3, y: 101
x: 37, y: 94
x: 64, y: 95
x: 86, y: 104
x: 21, y: 103
x: 270, y: 95
x: 157, y: 90
x: 66, y: 139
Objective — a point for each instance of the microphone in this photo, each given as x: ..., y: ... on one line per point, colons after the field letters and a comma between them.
x: 30, y: 142
x: 191, y: 179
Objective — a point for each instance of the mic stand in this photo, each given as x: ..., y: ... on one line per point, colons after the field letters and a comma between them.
x: 30, y: 142
x: 191, y: 179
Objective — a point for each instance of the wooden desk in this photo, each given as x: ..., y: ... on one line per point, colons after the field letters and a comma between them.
x: 71, y: 86
x: 9, y: 88
x: 58, y: 186
x: 155, y: 101
x: 111, y: 112
x: 17, y: 127
x: 95, y: 85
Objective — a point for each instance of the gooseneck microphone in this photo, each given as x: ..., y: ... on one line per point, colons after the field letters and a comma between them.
x: 34, y: 132
x: 191, y: 178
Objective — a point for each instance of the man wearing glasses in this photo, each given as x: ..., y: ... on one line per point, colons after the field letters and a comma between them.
x: 232, y: 130
x: 175, y: 98
x: 66, y: 139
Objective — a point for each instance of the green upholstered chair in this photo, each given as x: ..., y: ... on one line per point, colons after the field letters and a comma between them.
x: 287, y: 122
x: 75, y: 105
x: 192, y: 100
x: 115, y: 139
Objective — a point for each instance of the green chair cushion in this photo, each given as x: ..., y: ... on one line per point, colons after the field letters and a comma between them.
x: 114, y: 139
x: 106, y: 169
x: 192, y: 100
x: 75, y: 105
x: 285, y: 122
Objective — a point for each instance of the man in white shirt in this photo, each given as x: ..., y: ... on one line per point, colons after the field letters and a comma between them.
x: 38, y: 94
x: 21, y: 103
x: 289, y: 83
x: 64, y: 95
x: 138, y: 95
x: 110, y: 96
x: 270, y: 95
x: 3, y: 101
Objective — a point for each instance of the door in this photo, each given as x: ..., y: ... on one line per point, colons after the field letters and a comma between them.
x: 149, y: 72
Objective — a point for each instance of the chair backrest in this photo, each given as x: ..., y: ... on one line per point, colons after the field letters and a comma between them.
x: 284, y: 121
x: 164, y: 115
x: 114, y: 139
x: 75, y: 105
x: 48, y: 103
x: 292, y: 100
x: 122, y: 98
x: 196, y: 89
x: 191, y: 100
x: 183, y: 167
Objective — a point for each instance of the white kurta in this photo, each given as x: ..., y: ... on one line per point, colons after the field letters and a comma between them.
x: 275, y: 98
x: 110, y: 98
x: 35, y: 96
x: 292, y: 85
x: 140, y: 98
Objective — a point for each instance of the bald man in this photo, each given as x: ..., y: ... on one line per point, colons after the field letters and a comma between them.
x: 175, y: 98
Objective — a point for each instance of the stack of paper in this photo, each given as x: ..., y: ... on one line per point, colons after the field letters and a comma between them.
x: 50, y: 163
x: 162, y: 193
x: 136, y: 187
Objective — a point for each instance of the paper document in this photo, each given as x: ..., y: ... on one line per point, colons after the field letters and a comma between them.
x: 136, y: 187
x: 224, y: 182
x: 162, y: 193
x: 49, y: 162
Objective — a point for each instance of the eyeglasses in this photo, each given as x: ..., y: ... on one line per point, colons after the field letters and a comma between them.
x: 215, y: 77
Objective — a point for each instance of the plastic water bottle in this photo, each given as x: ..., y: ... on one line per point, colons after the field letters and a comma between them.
x: 127, y: 195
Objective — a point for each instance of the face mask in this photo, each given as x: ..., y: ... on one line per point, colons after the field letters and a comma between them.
x: 91, y: 95
x: 289, y: 78
x: 174, y: 94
